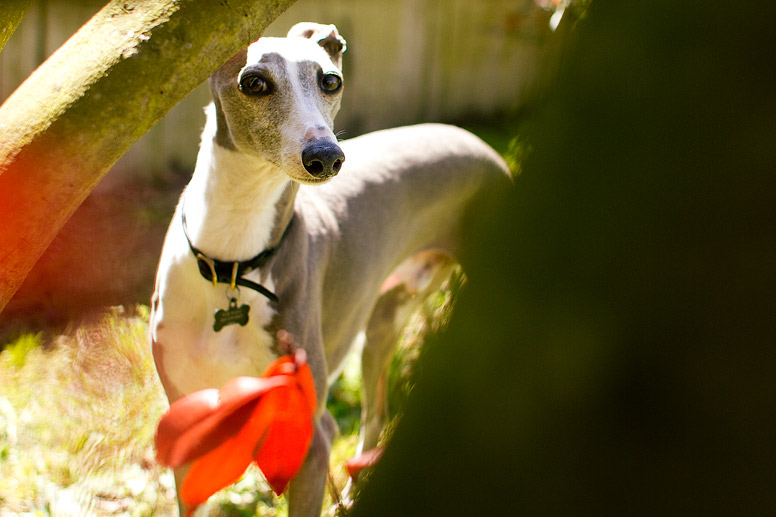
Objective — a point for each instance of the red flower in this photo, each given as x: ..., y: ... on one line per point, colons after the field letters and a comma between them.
x: 267, y: 419
x: 364, y: 461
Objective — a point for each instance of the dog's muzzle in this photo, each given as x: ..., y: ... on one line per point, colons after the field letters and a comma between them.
x: 322, y: 158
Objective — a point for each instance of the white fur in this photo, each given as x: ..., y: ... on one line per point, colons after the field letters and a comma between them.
x: 230, y: 201
x: 230, y: 208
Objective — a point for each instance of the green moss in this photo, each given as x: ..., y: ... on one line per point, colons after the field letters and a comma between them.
x: 11, y: 14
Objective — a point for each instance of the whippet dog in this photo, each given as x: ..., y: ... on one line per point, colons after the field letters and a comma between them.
x: 263, y: 239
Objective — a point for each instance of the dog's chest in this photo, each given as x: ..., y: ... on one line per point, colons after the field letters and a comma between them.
x: 237, y: 350
x: 195, y: 356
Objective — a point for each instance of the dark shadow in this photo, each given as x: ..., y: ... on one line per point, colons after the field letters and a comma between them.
x: 614, y: 352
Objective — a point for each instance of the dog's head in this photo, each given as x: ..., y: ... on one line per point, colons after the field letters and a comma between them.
x: 277, y: 99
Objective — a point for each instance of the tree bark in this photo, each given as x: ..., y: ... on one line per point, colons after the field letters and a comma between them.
x: 11, y: 14
x: 69, y: 122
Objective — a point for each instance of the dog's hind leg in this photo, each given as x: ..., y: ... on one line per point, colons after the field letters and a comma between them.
x: 402, y: 293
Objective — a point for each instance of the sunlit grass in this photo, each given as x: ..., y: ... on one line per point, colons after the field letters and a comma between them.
x: 77, y: 418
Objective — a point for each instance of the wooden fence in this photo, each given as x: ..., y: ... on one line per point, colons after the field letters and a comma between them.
x: 407, y: 61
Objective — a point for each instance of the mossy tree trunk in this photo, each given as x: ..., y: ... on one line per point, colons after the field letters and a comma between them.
x: 64, y: 127
x: 11, y: 14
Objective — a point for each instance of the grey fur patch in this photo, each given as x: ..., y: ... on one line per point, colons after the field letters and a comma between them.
x: 284, y: 212
x: 219, y: 82
x: 222, y: 136
x: 259, y: 130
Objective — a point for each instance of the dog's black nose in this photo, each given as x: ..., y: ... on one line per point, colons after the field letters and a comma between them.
x: 322, y: 158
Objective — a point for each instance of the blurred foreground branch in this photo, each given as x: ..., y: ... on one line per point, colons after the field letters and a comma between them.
x: 614, y: 352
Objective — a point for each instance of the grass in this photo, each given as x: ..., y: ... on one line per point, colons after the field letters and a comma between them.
x: 77, y: 418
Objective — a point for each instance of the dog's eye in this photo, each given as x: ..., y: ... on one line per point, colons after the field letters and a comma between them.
x: 255, y: 85
x: 331, y: 83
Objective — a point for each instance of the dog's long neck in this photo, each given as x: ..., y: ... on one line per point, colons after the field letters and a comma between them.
x: 235, y: 205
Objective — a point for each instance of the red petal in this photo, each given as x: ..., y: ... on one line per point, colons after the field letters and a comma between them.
x: 225, y: 464
x: 196, y: 424
x: 282, y: 450
x: 267, y: 418
x: 183, y: 414
x: 368, y: 459
x: 283, y: 365
x: 217, y: 469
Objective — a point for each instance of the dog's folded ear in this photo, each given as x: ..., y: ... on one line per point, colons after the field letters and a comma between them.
x: 327, y: 37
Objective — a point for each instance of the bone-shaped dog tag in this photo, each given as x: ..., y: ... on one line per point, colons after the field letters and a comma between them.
x: 232, y: 315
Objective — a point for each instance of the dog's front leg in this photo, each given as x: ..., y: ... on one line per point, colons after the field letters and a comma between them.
x: 306, y: 491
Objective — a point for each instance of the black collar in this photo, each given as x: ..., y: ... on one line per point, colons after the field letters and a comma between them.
x: 232, y: 273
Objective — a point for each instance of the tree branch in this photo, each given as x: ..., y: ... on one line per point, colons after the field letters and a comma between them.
x: 11, y: 14
x: 64, y: 127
